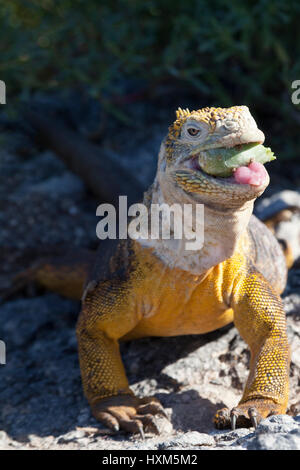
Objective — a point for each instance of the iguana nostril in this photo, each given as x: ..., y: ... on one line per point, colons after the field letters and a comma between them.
x: 231, y: 125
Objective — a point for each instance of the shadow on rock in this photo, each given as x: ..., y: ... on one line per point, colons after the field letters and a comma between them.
x: 146, y: 358
x: 191, y: 412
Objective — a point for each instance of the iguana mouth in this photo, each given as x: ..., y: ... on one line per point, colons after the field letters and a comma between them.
x: 226, y: 169
x: 249, y: 171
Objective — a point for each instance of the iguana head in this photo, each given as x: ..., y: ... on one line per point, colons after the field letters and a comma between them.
x: 216, y: 155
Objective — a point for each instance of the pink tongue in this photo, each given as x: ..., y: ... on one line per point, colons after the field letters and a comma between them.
x: 255, y: 174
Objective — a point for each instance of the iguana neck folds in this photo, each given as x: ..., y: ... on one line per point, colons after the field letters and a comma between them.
x: 223, y: 228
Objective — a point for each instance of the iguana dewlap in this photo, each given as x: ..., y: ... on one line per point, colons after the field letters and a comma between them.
x: 159, y: 288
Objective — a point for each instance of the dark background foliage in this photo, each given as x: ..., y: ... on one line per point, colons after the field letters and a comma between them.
x: 224, y: 53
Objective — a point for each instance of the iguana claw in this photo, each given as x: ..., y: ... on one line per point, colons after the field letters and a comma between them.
x: 233, y: 418
x: 141, y: 430
x: 253, y: 416
x: 246, y: 416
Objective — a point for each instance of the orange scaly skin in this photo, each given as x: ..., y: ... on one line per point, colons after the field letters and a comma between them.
x: 143, y: 291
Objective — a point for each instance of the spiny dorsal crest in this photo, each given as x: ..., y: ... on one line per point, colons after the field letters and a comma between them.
x: 181, y: 113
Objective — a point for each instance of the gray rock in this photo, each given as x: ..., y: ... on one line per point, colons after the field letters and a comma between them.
x: 71, y: 437
x: 288, y: 229
x: 277, y: 441
x: 278, y: 424
x: 188, y: 440
x: 3, y: 437
x: 228, y: 437
x: 267, y: 207
x: 292, y: 304
x: 33, y: 314
x: 280, y: 432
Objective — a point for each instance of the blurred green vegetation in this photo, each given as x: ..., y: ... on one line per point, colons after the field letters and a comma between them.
x: 237, y: 52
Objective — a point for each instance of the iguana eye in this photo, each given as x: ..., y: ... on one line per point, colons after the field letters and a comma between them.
x: 193, y: 131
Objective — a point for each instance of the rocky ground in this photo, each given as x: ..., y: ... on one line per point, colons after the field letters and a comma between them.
x: 42, y: 404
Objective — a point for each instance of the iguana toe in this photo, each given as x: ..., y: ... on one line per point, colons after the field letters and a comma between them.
x: 222, y: 418
x: 151, y: 406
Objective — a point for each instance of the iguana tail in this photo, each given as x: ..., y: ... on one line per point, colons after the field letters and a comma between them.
x: 63, y: 271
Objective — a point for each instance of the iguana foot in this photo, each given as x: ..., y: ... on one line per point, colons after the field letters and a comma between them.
x: 246, y: 414
x: 129, y: 413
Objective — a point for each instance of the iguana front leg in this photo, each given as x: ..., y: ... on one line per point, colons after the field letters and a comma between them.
x: 107, y: 315
x: 260, y: 319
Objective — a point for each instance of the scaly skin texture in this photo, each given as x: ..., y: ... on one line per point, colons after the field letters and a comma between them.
x: 158, y: 288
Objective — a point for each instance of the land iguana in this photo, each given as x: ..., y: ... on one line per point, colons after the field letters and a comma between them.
x: 141, y: 288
